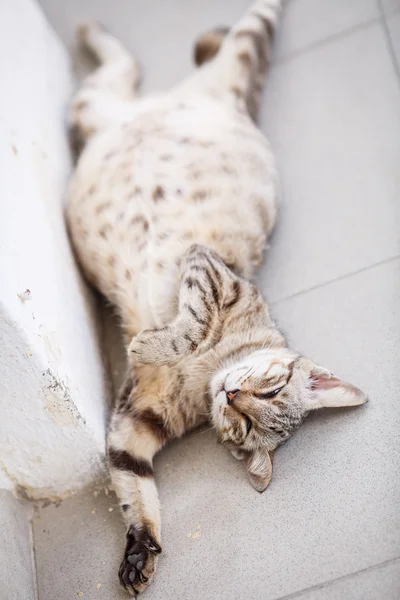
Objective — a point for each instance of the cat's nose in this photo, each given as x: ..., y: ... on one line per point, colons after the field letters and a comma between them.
x: 231, y: 396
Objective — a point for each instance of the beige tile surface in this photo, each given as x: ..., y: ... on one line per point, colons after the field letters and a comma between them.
x: 17, y: 577
x: 77, y: 547
x: 372, y: 584
x: 333, y: 119
x: 390, y: 6
x: 307, y: 22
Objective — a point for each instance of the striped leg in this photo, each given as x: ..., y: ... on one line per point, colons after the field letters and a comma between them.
x: 134, y: 438
x: 207, y: 289
x: 238, y: 70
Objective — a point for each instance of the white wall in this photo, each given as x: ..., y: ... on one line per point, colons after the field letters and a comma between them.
x: 53, y: 396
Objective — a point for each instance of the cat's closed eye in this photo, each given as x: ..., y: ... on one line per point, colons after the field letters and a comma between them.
x: 249, y: 423
x: 268, y: 395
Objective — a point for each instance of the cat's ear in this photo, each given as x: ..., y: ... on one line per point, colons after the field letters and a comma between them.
x: 328, y: 391
x: 259, y: 469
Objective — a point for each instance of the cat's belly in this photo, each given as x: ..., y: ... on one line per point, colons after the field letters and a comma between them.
x: 146, y: 190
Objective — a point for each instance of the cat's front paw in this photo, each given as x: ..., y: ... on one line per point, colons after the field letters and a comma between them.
x: 139, y: 562
x: 151, y: 347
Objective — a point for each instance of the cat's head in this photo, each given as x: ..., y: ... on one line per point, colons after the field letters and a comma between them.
x: 261, y: 400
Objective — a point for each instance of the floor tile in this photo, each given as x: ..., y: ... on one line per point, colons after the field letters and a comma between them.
x: 17, y: 577
x: 77, y: 548
x: 331, y: 509
x: 306, y: 22
x: 375, y: 584
x: 333, y: 119
x: 394, y: 30
x: 390, y: 6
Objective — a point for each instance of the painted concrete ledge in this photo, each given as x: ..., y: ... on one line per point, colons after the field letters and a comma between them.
x: 53, y: 391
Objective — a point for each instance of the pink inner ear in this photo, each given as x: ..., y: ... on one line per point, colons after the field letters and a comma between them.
x: 323, y: 382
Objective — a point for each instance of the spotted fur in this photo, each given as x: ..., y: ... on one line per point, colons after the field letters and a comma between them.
x: 169, y: 209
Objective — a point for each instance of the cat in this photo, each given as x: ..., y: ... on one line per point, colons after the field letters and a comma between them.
x: 169, y: 210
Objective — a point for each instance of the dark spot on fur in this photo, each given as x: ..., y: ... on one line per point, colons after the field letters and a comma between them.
x: 128, y: 275
x: 199, y: 195
x: 124, y: 396
x: 103, y: 231
x: 153, y: 422
x: 208, y: 45
x: 195, y: 175
x: 76, y: 139
x: 192, y: 343
x: 125, y: 507
x: 136, y: 220
x: 195, y: 315
x: 158, y: 193
x: 206, y: 143
x: 119, y: 459
x: 245, y: 58
x: 101, y: 207
x: 235, y: 89
x: 234, y: 295
x: 161, y: 237
x: 213, y: 287
x: 82, y: 104
x: 269, y: 27
x: 92, y: 190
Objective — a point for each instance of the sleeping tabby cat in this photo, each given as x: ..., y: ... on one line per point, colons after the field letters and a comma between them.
x: 169, y: 209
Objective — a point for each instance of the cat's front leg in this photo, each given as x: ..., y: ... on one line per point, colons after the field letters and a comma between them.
x: 207, y: 286
x: 134, y: 437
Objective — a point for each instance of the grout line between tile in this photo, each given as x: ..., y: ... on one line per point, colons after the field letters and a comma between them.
x: 331, y: 281
x: 319, y: 586
x: 389, y: 42
x: 331, y: 38
x: 33, y: 557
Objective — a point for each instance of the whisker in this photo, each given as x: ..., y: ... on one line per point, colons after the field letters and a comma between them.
x: 205, y: 430
x: 242, y: 378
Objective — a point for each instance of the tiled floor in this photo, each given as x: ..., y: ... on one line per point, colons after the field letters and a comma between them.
x: 328, y: 527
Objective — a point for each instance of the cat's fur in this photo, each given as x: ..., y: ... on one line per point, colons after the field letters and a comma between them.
x: 169, y: 209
